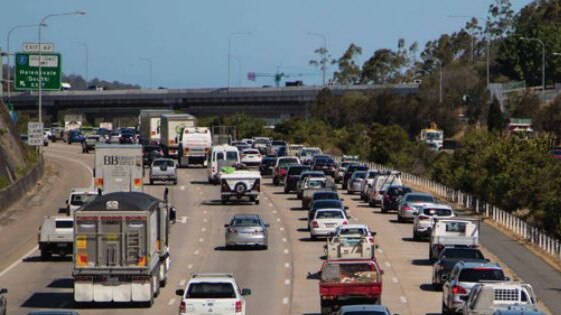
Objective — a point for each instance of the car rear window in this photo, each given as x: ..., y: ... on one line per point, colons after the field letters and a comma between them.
x: 348, y: 231
x: 478, y: 274
x: 326, y: 203
x: 329, y: 215
x: 437, y: 212
x: 64, y: 224
x: 231, y: 156
x: 325, y: 195
x: 462, y: 253
x: 245, y: 222
x: 204, y: 290
x: 163, y: 163
x: 420, y: 198
x: 296, y: 170
x: 287, y: 161
x: 359, y: 174
x: 365, y: 313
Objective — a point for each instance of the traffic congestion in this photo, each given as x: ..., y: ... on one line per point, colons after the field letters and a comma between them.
x: 341, y: 236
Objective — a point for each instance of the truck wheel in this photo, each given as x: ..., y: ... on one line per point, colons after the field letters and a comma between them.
x: 257, y: 201
x: 45, y: 254
x: 326, y: 308
x: 151, y: 182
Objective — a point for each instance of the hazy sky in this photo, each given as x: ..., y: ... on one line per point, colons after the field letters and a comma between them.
x: 187, y: 40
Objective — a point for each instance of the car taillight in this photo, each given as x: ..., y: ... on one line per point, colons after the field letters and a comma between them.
x: 257, y: 232
x: 238, y: 306
x: 424, y: 217
x: 282, y: 171
x: 243, y: 156
x: 371, y: 240
x: 257, y: 185
x: 315, y: 224
x: 458, y: 290
x: 232, y: 230
x: 182, y: 307
x: 407, y: 208
x: 345, y: 222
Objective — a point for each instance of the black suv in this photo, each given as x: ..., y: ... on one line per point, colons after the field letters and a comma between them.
x: 293, y: 176
x: 267, y: 164
x: 392, y: 196
x: 324, y: 163
x: 350, y: 170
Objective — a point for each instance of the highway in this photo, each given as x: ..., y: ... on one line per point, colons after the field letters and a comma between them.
x: 277, y: 276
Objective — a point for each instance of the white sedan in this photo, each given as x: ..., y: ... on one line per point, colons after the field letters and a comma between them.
x: 251, y: 157
x: 326, y: 222
x: 427, y: 215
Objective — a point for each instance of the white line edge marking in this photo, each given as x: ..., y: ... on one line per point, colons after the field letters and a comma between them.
x: 17, y: 262
x: 285, y: 300
x: 403, y: 299
x: 171, y: 301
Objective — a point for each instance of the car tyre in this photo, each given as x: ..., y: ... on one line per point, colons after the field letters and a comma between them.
x: 151, y: 182
x: 286, y: 191
x: 445, y: 310
x: 415, y: 236
x: 175, y: 181
x: 399, y: 219
x: 257, y: 201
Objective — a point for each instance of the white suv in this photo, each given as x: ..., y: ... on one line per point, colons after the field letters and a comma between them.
x: 427, y: 215
x: 215, y: 293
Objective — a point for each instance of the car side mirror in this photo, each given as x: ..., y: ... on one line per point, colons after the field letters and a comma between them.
x: 346, y: 208
x: 172, y: 214
x: 179, y: 292
x: 267, y: 225
x: 226, y: 225
x: 246, y: 292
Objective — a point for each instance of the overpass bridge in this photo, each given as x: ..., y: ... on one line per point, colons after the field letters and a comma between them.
x: 281, y: 102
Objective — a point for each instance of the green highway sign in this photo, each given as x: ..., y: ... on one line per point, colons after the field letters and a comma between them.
x: 27, y: 71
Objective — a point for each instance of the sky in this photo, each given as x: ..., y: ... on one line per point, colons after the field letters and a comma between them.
x: 186, y: 41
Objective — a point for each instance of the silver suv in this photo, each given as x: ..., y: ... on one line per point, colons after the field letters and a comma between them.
x: 464, y: 276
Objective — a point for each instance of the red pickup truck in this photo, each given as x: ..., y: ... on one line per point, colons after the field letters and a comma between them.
x: 349, y: 281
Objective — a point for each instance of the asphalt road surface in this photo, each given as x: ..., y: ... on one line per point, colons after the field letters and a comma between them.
x: 277, y: 276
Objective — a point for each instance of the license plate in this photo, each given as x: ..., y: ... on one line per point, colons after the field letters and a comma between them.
x: 330, y: 224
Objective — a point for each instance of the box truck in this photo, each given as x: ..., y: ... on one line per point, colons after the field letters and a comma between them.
x: 171, y: 128
x: 149, y: 121
x: 118, y: 167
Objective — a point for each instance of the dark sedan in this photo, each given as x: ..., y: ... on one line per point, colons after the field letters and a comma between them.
x: 392, y: 197
x: 350, y: 170
x: 267, y: 164
x: 293, y: 176
x: 448, y: 258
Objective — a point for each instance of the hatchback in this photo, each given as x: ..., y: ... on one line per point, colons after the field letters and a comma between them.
x: 326, y: 222
x: 247, y: 230
x: 410, y: 205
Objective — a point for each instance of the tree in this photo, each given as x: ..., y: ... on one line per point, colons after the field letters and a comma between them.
x: 323, y: 62
x: 549, y: 118
x: 348, y: 71
x: 495, y: 120
x: 381, y: 68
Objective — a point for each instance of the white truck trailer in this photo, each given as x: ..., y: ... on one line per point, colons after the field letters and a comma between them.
x: 121, y: 251
x: 171, y: 128
x: 118, y: 167
x: 149, y: 121
x: 194, y: 146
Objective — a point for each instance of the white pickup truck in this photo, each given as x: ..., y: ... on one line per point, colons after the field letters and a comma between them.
x: 212, y: 293
x: 56, y: 236
x: 453, y: 232
x: 240, y: 184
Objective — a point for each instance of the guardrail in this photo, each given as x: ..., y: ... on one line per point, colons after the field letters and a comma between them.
x: 17, y: 190
x: 508, y: 221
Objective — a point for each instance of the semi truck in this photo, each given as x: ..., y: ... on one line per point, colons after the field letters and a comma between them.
x: 195, y: 146
x: 171, y: 128
x: 118, y: 167
x: 149, y: 121
x: 121, y: 251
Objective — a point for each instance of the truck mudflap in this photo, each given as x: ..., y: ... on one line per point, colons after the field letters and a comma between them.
x: 113, y: 289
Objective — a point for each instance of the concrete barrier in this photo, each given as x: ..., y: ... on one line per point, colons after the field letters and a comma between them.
x: 12, y: 193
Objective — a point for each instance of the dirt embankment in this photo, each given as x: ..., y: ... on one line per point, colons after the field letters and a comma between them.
x: 12, y: 152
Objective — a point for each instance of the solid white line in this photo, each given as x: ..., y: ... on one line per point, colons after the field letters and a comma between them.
x: 284, y: 240
x: 15, y: 263
x: 286, y: 251
x: 285, y: 300
x: 403, y: 299
x: 171, y: 301
x: 286, y: 265
x: 387, y: 263
x: 287, y: 281
x: 190, y: 266
x: 182, y: 282
x: 394, y: 279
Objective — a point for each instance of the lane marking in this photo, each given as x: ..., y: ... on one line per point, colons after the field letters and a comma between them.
x: 203, y: 229
x: 380, y: 250
x: 275, y: 211
x: 198, y: 188
x: 201, y: 240
x: 196, y: 252
x: 403, y: 299
x: 278, y: 219
x: 270, y: 204
x: 200, y: 193
x: 394, y: 279
x: 286, y: 251
x: 190, y: 266
x: 286, y: 265
x: 182, y: 282
x: 171, y: 301
x: 387, y: 263
x: 205, y: 212
x: 17, y: 262
x: 182, y: 188
x: 284, y: 239
x: 281, y: 228
x: 183, y: 219
x: 287, y: 281
x: 285, y: 300
x: 205, y: 220
x: 355, y: 219
x: 86, y: 166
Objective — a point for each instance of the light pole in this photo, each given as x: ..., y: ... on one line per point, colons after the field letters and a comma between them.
x: 323, y: 66
x: 543, y: 60
x: 87, y: 61
x: 239, y: 69
x: 149, y: 61
x: 40, y: 79
x: 8, y: 54
x: 230, y: 49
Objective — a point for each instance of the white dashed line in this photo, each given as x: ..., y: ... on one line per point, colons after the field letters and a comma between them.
x: 287, y: 281
x: 205, y: 212
x: 387, y: 263
x: 171, y: 301
x: 183, y: 219
x: 286, y: 251
x: 203, y: 229
x: 285, y: 300
x: 380, y: 250
x: 278, y: 219
x: 190, y: 266
x: 182, y: 282
x: 205, y: 220
x: 403, y: 299
x: 201, y: 240
x: 200, y: 193
x: 394, y: 279
x: 182, y: 187
x: 286, y: 265
x: 196, y: 252
x: 275, y: 211
x: 356, y: 219
x: 281, y: 228
x: 198, y: 188
x: 270, y: 204
x: 284, y: 240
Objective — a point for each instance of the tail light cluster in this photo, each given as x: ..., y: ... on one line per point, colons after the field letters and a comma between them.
x: 424, y: 217
x: 238, y: 306
x: 371, y: 240
x: 282, y: 171
x: 406, y: 207
x: 345, y: 222
x: 315, y: 224
x: 458, y: 290
x: 182, y: 307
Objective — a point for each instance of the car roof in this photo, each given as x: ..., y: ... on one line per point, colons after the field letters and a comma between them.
x: 473, y: 264
x: 126, y: 201
x: 364, y: 307
x: 434, y: 205
x: 354, y: 226
x: 329, y: 209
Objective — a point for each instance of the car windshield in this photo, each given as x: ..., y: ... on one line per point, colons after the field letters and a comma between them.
x: 365, y: 313
x: 360, y: 174
x: 420, y: 198
x: 240, y: 222
x: 326, y: 203
x: 163, y: 163
x: 329, y: 215
x: 478, y: 274
x: 81, y: 199
x: 316, y: 184
x: 437, y: 212
x: 205, y: 290
x: 462, y: 253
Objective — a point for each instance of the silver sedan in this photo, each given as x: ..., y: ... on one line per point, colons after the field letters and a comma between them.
x: 247, y: 230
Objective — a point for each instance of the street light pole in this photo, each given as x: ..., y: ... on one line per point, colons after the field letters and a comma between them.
x: 40, y: 79
x: 239, y: 69
x: 149, y: 61
x: 439, y: 81
x: 87, y: 61
x: 8, y: 54
x: 230, y: 49
x: 324, y: 53
x: 543, y: 61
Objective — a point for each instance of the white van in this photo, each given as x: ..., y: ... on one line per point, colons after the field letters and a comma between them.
x: 220, y: 156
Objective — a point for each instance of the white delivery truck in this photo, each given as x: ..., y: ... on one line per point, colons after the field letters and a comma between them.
x: 121, y: 251
x: 194, y: 146
x: 118, y: 167
x: 149, y: 121
x: 171, y: 128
